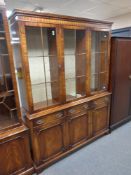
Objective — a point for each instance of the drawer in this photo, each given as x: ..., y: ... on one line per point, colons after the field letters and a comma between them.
x: 104, y: 101
x: 78, y: 110
x: 49, y: 119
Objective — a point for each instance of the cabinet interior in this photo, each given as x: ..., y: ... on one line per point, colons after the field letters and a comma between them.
x: 8, y: 110
x: 75, y: 63
x: 99, y: 60
x: 45, y: 70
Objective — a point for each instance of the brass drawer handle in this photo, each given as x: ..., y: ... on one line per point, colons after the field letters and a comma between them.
x: 39, y: 122
x: 129, y: 77
x: 59, y: 115
x: 72, y: 111
x: 86, y: 106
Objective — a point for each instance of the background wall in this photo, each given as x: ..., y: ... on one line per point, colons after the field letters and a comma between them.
x: 2, y: 2
x: 121, y: 21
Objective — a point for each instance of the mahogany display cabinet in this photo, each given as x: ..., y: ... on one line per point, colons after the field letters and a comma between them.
x: 63, y: 69
x: 15, y: 155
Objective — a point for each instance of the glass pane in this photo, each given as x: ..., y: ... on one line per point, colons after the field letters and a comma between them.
x: 70, y: 89
x: 45, y: 41
x: 75, y: 63
x: 37, y: 72
x: 94, y: 82
x: 1, y: 23
x: 34, y: 42
x: 8, y: 110
x: 8, y: 116
x: 81, y: 86
x: 39, y: 92
x: 69, y: 42
x: 52, y: 96
x: 3, y: 47
x: 2, y: 78
x: 103, y: 77
x: 51, y: 68
x: 80, y: 42
x: 99, y: 56
x: 44, y: 96
x: 81, y: 65
x: 43, y: 66
x: 6, y: 67
x: 70, y: 70
x: 47, y: 69
x: 94, y: 63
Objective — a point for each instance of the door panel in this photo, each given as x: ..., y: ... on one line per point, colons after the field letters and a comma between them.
x: 15, y: 155
x: 100, y: 119
x: 79, y: 129
x: 50, y: 141
x: 122, y: 84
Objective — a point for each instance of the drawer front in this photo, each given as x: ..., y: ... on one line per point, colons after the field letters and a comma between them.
x: 78, y: 110
x: 104, y: 101
x: 49, y: 119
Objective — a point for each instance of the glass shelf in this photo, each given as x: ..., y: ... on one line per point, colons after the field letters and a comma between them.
x: 75, y: 54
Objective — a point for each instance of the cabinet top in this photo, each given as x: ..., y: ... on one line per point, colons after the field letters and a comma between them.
x: 20, y: 13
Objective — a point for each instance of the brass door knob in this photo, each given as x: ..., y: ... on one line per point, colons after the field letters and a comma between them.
x: 129, y: 77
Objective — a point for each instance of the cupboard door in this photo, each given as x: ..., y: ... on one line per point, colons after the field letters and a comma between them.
x: 8, y: 107
x: 120, y: 80
x: 79, y: 129
x: 15, y: 156
x: 100, y: 119
x: 49, y: 141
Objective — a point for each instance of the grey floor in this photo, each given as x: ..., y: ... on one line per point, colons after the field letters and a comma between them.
x: 109, y: 155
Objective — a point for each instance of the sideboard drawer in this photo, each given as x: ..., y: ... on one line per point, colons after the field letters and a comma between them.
x: 48, y: 119
x: 76, y: 110
x: 104, y: 101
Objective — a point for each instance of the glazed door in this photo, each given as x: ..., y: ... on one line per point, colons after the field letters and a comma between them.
x: 75, y: 63
x: 121, y: 99
x: 43, y: 66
